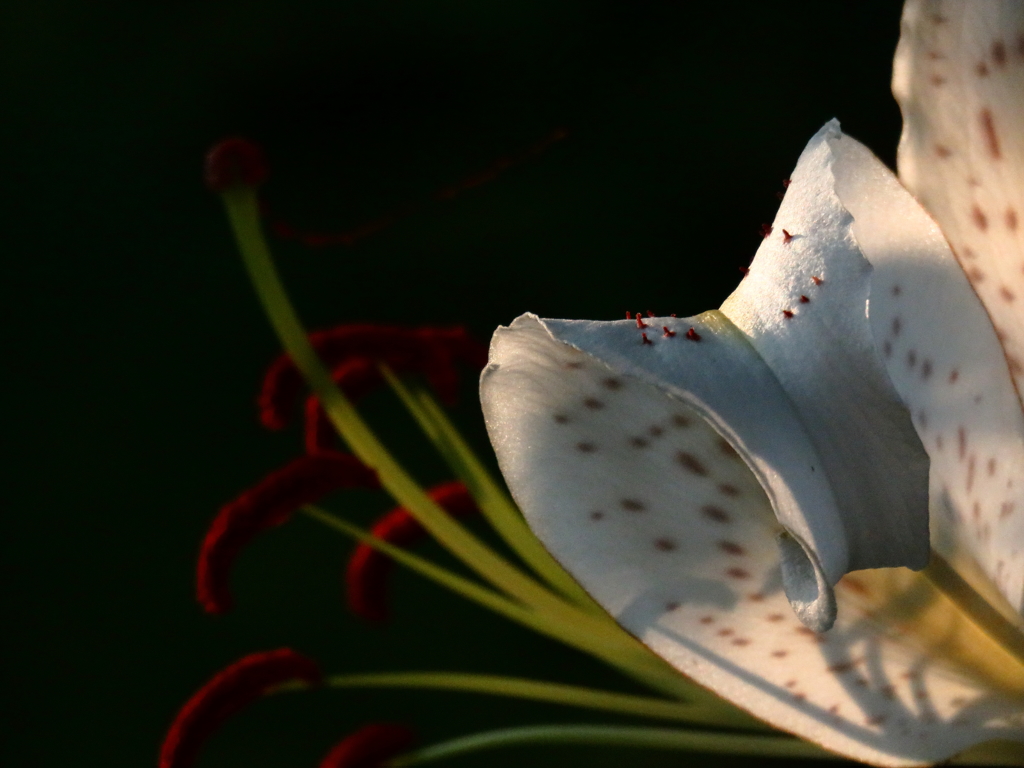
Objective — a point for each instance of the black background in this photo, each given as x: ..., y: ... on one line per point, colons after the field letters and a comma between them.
x: 133, y: 347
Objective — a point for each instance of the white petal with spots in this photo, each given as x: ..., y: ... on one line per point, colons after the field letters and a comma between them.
x: 804, y: 308
x: 946, y: 361
x: 959, y: 79
x: 659, y: 519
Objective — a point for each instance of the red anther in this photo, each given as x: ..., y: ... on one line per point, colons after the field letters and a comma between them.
x: 369, y: 571
x: 673, y: 314
x: 356, y: 377
x: 234, y: 162
x: 816, y: 280
x: 640, y: 322
x: 804, y: 299
x: 271, y: 502
x: 430, y: 351
x: 649, y: 313
x: 629, y: 315
x: 786, y: 237
x: 787, y: 313
x: 692, y: 335
x: 372, y: 746
x: 645, y: 339
x: 786, y: 183
x: 668, y: 334
x: 230, y: 690
x: 766, y: 231
x: 745, y: 271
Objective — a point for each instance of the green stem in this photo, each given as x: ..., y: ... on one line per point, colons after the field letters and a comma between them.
x: 244, y: 216
x: 621, y: 651
x: 618, y: 736
x: 496, y: 506
x: 538, y: 690
x: 980, y: 612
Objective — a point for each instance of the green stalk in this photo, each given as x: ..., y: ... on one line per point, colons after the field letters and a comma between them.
x: 539, y: 690
x: 496, y: 506
x: 243, y: 214
x: 618, y: 736
x: 977, y: 609
x: 621, y: 652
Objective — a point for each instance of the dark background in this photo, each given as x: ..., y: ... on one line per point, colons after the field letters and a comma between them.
x: 133, y: 347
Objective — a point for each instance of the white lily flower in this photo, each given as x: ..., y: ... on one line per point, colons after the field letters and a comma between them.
x: 711, y: 481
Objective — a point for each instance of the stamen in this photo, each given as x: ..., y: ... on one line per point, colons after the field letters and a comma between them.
x: 230, y: 690
x: 234, y: 162
x: 271, y: 502
x: 372, y: 746
x: 430, y: 351
x: 369, y: 570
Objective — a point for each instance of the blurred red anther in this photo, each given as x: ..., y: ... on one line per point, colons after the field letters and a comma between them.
x: 804, y: 299
x: 645, y: 340
x: 786, y: 237
x: 787, y: 314
x: 786, y: 183
x: 356, y: 377
x: 369, y: 571
x: 629, y: 315
x: 430, y: 351
x: 692, y: 335
x: 649, y: 313
x: 234, y: 162
x: 230, y: 690
x: 669, y: 334
x: 271, y: 502
x: 372, y: 746
x: 673, y: 314
x: 640, y: 322
x: 816, y: 280
x: 745, y: 271
x: 766, y: 231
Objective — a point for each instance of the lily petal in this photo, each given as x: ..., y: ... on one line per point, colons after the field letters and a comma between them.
x: 959, y: 78
x: 673, y: 534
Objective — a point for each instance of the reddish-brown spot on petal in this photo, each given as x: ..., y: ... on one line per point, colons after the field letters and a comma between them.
x: 1011, y: 219
x: 731, y: 548
x: 727, y: 450
x: 632, y: 505
x: 667, y: 333
x: 740, y: 641
x: 612, y: 383
x: 586, y: 447
x: 692, y: 335
x: 816, y: 280
x: 775, y: 617
x: 655, y: 431
x: 841, y: 667
x: 943, y: 151
x: 672, y: 606
x: 988, y: 129
x: 728, y: 490
x: 681, y: 421
x: 597, y: 515
x: 780, y: 654
x: 707, y: 619
x: 1006, y: 509
x: 981, y: 69
x: 717, y: 514
x: 999, y: 53
x: 787, y: 314
x: 887, y: 348
x: 991, y: 466
x: 897, y: 326
x: 737, y: 573
x: 961, y: 442
x: 911, y: 358
x: 876, y: 719
x: 665, y: 545
x: 755, y: 597
x: 644, y: 339
x: 786, y: 236
x: 640, y: 321
x: 953, y: 376
x: 560, y: 418
x: 691, y: 463
x: 593, y: 403
x: 979, y: 217
x: 638, y: 442
x: 854, y: 585
x: 227, y: 692
x: 926, y: 369
x: 975, y: 275
x: 937, y: 80
x: 725, y: 632
x: 1006, y: 294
